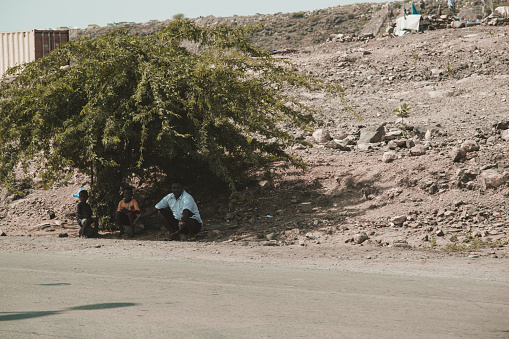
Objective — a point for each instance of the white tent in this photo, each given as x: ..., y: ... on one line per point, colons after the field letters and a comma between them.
x: 407, y: 23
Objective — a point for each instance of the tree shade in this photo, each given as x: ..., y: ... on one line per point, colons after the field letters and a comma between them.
x: 188, y: 101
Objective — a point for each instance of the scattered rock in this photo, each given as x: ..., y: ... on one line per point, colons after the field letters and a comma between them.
x: 389, y: 156
x: 359, y: 238
x: 398, y: 220
x: 321, y: 136
x: 63, y: 235
x: 371, y: 134
x: 418, y: 150
x: 470, y: 146
x: 457, y: 154
x: 492, y: 179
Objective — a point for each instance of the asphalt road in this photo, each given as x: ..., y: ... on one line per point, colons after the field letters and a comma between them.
x: 70, y: 295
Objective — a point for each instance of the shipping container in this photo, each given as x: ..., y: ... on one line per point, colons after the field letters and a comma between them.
x: 17, y: 48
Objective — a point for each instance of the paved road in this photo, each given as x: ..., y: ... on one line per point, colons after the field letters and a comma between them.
x: 90, y: 296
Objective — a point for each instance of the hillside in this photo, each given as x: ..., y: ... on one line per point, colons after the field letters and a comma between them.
x: 437, y: 181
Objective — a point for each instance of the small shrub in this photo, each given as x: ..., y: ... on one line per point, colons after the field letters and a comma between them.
x: 416, y: 57
x: 474, y: 244
x: 298, y: 15
x: 403, y: 112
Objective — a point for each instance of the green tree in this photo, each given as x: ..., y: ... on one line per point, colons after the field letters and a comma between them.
x: 188, y: 101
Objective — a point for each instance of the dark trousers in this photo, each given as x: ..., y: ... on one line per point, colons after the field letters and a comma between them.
x: 191, y: 230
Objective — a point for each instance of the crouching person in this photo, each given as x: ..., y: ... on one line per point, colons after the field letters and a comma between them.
x: 178, y: 213
x: 84, y: 215
x: 127, y: 212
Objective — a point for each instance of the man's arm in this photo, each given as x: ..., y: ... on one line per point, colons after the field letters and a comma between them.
x: 185, y: 218
x: 149, y: 212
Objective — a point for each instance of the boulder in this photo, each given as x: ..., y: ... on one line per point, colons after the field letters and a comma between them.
x: 398, y: 220
x: 371, y: 134
x: 418, y: 150
x: 389, y: 156
x: 321, y: 136
x: 359, y: 238
x: 457, y: 153
x: 492, y: 179
x: 470, y: 146
x: 504, y: 134
x: 458, y: 24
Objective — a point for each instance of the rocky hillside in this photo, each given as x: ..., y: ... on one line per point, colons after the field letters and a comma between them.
x: 438, y: 179
x: 303, y: 29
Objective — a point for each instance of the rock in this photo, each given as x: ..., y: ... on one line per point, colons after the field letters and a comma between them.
x: 437, y: 72
x: 394, y: 134
x: 439, y: 233
x: 359, y: 238
x: 63, y: 235
x: 398, y: 220
x: 505, y: 135
x: 427, y: 136
x: 491, y: 140
x: 2, y: 234
x: 321, y: 136
x: 470, y: 146
x: 371, y: 134
x: 492, y: 179
x: 409, y: 143
x: 401, y: 243
x: 465, y: 175
x: 352, y: 57
x: 339, y: 145
x: 457, y: 153
x: 271, y: 236
x: 400, y: 142
x: 458, y: 24
x: 306, y: 207
x: 364, y: 147
x: 389, y: 156
x: 418, y: 150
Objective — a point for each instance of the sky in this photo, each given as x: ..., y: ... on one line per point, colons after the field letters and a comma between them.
x: 22, y: 15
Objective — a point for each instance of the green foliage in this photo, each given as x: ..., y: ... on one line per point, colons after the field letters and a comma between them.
x: 149, y: 109
x: 474, y: 244
x: 350, y: 16
x: 298, y: 15
x: 416, y: 58
x: 449, y: 69
x: 403, y: 111
x: 178, y: 16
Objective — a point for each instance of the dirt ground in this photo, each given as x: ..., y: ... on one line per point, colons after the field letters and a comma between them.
x: 413, y: 194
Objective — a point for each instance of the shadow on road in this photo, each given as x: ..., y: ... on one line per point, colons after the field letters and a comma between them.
x: 7, y: 316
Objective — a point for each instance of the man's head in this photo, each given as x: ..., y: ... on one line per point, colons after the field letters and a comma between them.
x: 83, y: 196
x: 128, y: 194
x: 176, y: 189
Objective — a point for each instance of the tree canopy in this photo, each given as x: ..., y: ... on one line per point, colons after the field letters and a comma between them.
x: 184, y: 102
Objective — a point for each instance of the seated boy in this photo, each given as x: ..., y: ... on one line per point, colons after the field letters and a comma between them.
x: 127, y: 212
x: 84, y: 215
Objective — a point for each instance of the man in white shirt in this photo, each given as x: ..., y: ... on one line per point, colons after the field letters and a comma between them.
x: 178, y: 213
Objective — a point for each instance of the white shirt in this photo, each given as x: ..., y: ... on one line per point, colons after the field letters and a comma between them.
x: 177, y: 206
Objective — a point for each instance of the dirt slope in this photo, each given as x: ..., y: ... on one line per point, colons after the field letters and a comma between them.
x: 456, y: 83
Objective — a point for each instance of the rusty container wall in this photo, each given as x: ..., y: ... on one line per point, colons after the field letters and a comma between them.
x: 46, y: 41
x: 17, y: 48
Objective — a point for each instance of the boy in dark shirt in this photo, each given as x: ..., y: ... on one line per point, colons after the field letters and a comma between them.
x: 84, y: 215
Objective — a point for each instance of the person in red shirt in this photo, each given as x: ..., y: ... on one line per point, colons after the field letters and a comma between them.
x: 127, y: 212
